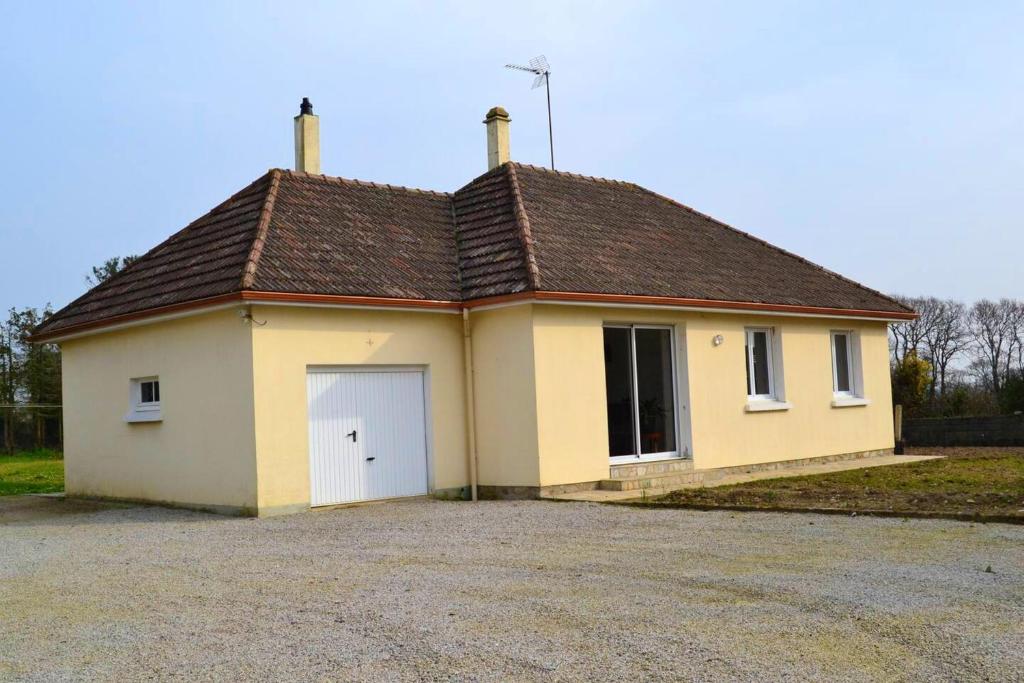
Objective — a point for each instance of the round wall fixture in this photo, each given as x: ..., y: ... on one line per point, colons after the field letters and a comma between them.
x: 717, y: 340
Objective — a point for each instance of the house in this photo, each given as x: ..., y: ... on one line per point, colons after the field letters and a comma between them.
x: 314, y: 340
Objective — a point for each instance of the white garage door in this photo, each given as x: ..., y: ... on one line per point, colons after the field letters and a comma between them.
x: 367, y: 435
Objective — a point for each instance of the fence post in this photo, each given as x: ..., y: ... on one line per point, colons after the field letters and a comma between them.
x: 897, y: 426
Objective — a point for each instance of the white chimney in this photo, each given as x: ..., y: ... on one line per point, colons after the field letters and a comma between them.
x: 307, y: 139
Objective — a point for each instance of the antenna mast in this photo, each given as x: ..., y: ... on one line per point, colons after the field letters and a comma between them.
x: 539, y: 67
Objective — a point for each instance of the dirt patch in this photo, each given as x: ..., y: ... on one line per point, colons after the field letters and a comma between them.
x: 968, y: 483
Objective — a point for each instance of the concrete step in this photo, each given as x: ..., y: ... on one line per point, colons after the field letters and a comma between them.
x: 659, y: 481
x: 650, y: 469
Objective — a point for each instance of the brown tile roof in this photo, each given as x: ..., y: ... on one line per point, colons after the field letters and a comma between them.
x: 516, y: 228
x: 334, y: 236
x: 490, y: 239
x: 612, y: 237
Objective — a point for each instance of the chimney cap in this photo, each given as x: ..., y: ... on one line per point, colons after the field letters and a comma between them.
x: 497, y: 113
x: 306, y: 107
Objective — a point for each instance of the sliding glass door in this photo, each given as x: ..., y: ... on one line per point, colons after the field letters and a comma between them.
x: 639, y: 367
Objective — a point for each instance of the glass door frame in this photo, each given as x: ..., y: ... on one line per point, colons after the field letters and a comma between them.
x: 676, y: 408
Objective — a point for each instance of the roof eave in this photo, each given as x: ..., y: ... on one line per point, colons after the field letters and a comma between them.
x: 685, y: 303
x: 200, y: 306
x: 144, y: 317
x: 153, y: 315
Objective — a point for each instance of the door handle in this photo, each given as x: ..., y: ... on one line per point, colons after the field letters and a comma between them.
x: 352, y: 434
x: 371, y: 458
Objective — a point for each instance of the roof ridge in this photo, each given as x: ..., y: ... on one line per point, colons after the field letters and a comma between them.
x: 525, y: 235
x: 570, y: 174
x: 491, y: 171
x: 262, y: 230
x: 766, y: 243
x: 458, y: 243
x: 338, y: 180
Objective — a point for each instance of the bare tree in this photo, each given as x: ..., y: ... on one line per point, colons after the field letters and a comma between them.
x: 1014, y: 312
x: 1018, y: 336
x: 975, y: 350
x: 995, y: 330
x: 945, y: 340
x: 909, y: 335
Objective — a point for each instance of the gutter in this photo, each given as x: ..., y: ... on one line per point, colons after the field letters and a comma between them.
x: 390, y: 303
x: 207, y: 305
x: 683, y: 303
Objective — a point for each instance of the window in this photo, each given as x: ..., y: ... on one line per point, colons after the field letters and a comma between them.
x: 763, y: 355
x: 144, y: 400
x: 759, y: 364
x: 150, y: 393
x: 847, y: 379
x: 639, y: 369
x: 842, y: 371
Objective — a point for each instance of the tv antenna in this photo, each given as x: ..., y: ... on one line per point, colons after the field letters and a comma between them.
x: 539, y: 67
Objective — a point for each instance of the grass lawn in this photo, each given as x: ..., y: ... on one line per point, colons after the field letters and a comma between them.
x: 39, y: 471
x: 968, y: 481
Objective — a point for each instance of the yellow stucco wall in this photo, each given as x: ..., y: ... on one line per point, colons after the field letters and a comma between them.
x: 505, y: 396
x: 294, y: 338
x: 724, y: 434
x: 572, y: 423
x: 202, y: 452
x: 572, y: 415
x: 235, y: 430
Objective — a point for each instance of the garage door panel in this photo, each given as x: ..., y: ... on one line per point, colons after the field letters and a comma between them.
x: 398, y: 445
x: 335, y: 459
x: 386, y: 457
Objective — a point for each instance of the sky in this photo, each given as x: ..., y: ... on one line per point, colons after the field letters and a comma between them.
x: 881, y: 140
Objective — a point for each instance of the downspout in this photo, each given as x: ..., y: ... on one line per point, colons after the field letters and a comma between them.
x: 467, y: 350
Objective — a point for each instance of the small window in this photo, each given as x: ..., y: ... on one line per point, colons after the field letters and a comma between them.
x: 842, y: 368
x: 144, y: 400
x: 760, y: 380
x: 847, y: 376
x: 150, y: 390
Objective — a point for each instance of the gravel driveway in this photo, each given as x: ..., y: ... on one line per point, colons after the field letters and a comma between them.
x: 428, y: 590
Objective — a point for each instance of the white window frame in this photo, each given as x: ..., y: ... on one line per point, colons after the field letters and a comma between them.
x: 775, y: 398
x: 677, y: 420
x: 139, y: 410
x: 851, y: 391
x: 855, y: 395
x: 751, y: 381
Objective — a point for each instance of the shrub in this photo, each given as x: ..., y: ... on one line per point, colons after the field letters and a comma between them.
x: 910, y: 381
